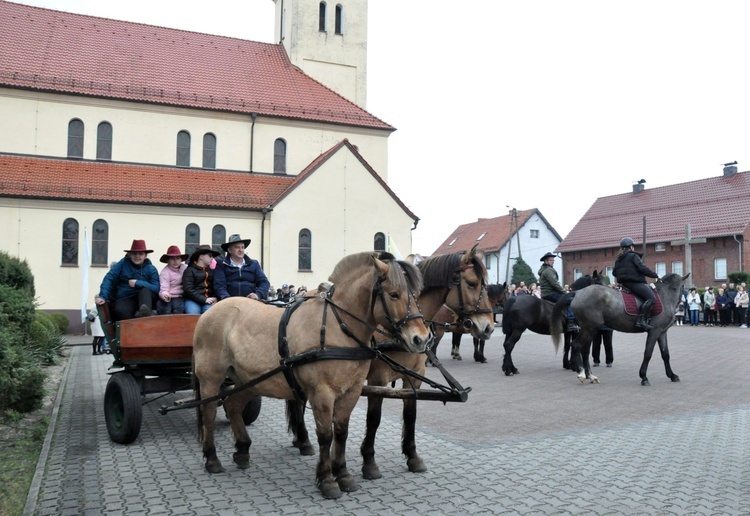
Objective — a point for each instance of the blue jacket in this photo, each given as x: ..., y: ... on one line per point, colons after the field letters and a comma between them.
x: 231, y: 280
x: 115, y: 283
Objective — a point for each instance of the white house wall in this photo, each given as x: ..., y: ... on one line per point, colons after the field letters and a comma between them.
x: 532, y: 249
x: 343, y: 206
x: 145, y: 133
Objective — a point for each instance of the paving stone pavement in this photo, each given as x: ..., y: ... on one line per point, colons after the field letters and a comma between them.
x: 536, y: 443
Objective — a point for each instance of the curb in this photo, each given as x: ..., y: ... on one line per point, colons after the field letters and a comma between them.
x: 33, y: 496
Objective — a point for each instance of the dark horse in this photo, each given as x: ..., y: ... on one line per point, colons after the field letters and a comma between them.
x: 597, y: 306
x: 528, y: 312
x: 498, y: 295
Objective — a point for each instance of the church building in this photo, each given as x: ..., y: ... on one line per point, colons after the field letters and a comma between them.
x: 114, y: 131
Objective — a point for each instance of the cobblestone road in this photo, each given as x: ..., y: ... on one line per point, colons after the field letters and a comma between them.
x: 536, y: 443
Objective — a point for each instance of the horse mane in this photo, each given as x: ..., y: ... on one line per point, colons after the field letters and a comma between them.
x: 407, y: 275
x: 437, y: 271
x: 496, y: 291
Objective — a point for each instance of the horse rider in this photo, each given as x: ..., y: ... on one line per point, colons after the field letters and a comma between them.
x: 631, y: 272
x: 550, y: 284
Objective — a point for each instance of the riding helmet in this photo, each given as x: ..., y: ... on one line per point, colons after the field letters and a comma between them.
x: 626, y: 242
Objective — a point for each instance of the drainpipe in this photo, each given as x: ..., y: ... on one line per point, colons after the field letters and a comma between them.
x: 252, y: 138
x: 264, y: 211
x: 739, y: 244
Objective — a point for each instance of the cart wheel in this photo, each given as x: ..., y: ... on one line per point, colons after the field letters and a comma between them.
x: 251, y: 411
x: 122, y: 408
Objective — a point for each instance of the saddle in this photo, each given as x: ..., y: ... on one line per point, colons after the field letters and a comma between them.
x: 633, y: 303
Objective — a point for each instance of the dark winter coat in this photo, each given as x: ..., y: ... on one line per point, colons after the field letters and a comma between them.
x: 115, y: 284
x: 231, y: 281
x: 629, y: 268
x: 198, y: 283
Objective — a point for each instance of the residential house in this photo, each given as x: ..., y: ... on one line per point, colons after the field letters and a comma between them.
x: 503, y: 239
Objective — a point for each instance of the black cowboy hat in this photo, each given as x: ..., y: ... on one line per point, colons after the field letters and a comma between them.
x: 235, y: 239
x: 548, y: 255
x: 203, y: 249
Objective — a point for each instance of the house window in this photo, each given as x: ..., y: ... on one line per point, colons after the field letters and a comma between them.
x: 70, y: 242
x: 609, y: 271
x: 322, y: 17
x: 661, y: 268
x: 104, y: 141
x: 279, y: 156
x: 75, y: 139
x: 339, y: 21
x: 192, y: 238
x: 577, y: 273
x: 209, y: 151
x: 534, y: 233
x: 379, y: 243
x: 218, y: 237
x: 488, y: 262
x: 305, y: 250
x: 99, y: 242
x: 720, y: 268
x: 183, y: 149
x: 660, y: 248
x: 677, y: 268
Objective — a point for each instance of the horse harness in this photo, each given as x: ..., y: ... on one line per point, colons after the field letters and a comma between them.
x: 463, y: 315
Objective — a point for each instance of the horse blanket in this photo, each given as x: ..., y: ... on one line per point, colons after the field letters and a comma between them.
x: 632, y: 303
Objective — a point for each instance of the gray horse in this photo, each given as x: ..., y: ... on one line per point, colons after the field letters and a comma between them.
x: 598, y: 306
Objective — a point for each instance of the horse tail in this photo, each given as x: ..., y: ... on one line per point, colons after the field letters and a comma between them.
x: 292, y: 416
x: 506, y: 319
x: 196, y: 385
x: 556, y: 319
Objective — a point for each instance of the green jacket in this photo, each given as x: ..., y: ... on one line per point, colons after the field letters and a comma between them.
x: 548, y: 281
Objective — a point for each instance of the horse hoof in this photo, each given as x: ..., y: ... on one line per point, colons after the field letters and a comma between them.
x: 508, y: 373
x: 645, y: 382
x: 675, y: 378
x: 347, y: 483
x: 457, y: 357
x: 371, y: 472
x: 242, y: 460
x: 594, y: 379
x: 304, y: 448
x: 581, y: 378
x: 330, y: 489
x: 416, y: 465
x: 214, y: 466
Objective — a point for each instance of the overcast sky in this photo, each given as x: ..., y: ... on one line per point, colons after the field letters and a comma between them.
x: 544, y: 104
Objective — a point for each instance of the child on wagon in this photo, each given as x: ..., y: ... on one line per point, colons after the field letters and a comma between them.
x: 170, y: 282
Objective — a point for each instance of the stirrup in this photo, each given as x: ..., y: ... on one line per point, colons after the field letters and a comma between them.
x: 572, y: 327
x: 643, y: 325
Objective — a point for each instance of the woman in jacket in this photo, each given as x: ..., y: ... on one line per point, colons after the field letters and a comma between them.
x: 131, y: 285
x: 631, y: 272
x: 709, y: 307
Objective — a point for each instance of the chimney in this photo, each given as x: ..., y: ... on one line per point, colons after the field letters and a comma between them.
x: 638, y: 186
x: 730, y: 169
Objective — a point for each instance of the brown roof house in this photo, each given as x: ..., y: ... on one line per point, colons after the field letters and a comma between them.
x: 503, y: 239
x: 113, y: 131
x: 714, y: 211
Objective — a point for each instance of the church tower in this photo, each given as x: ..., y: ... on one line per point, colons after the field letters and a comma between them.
x: 328, y: 41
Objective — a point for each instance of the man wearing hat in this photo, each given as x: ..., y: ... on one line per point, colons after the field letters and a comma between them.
x: 131, y: 284
x: 198, y: 281
x: 548, y: 279
x: 286, y: 295
x: 239, y: 275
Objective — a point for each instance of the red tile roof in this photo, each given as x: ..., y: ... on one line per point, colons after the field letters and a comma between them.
x: 497, y: 232
x: 78, y: 180
x: 61, y: 52
x: 717, y: 206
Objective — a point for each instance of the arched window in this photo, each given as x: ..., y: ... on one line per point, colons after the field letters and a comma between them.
x: 339, y: 21
x: 209, y: 151
x: 322, y: 17
x: 183, y: 149
x: 70, y: 242
x: 305, y: 250
x: 192, y: 238
x: 104, y: 141
x: 379, y: 244
x: 279, y: 156
x: 99, y: 242
x: 75, y: 138
x: 218, y: 237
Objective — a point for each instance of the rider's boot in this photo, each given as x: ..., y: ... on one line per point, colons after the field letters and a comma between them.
x: 572, y: 323
x: 644, y: 314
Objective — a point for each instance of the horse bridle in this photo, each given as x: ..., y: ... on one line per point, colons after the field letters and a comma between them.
x: 463, y: 314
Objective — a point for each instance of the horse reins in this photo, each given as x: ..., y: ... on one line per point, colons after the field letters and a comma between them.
x: 463, y: 315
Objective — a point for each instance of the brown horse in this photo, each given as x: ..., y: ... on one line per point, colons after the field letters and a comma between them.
x: 454, y: 294
x: 498, y: 295
x: 325, y: 364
